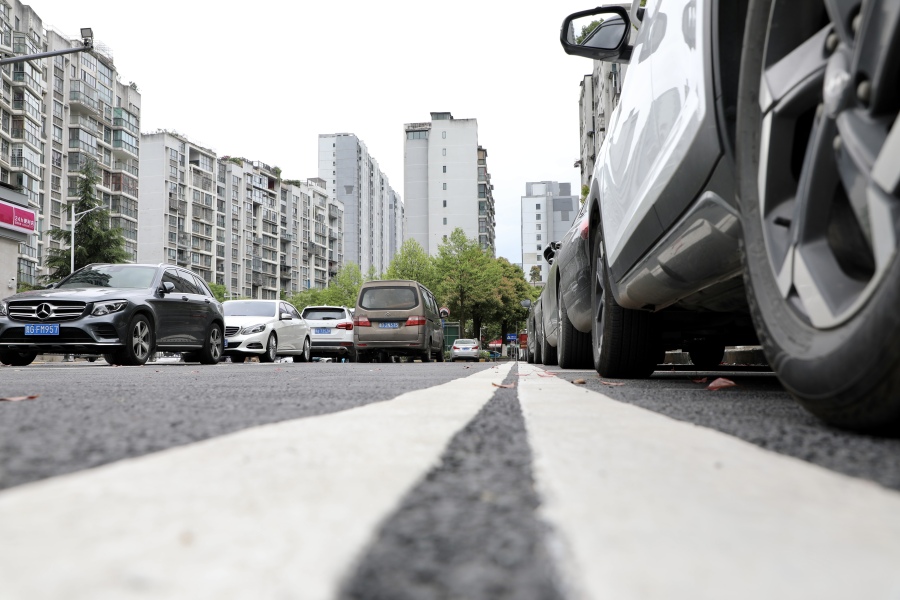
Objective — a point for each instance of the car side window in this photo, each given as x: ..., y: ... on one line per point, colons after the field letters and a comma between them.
x: 201, y: 286
x: 172, y: 277
x: 187, y: 280
x: 294, y: 312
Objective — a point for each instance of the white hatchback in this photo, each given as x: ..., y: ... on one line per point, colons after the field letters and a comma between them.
x: 331, y: 331
x: 265, y: 328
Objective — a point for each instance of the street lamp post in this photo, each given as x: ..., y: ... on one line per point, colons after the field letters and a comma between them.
x: 72, y: 223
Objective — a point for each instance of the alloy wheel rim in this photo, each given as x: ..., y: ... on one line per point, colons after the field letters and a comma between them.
x: 828, y: 174
x: 140, y: 340
x: 270, y: 348
x: 215, y: 343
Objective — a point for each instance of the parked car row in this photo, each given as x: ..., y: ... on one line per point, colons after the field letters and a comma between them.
x: 746, y: 192
x: 127, y: 312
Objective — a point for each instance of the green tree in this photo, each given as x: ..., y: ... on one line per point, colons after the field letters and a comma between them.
x: 412, y: 262
x: 342, y: 290
x: 95, y: 240
x: 467, y: 277
x: 535, y: 273
x: 219, y: 291
x: 512, y: 289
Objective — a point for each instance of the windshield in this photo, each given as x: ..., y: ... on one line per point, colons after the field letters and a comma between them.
x: 323, y: 314
x: 111, y: 276
x: 249, y: 308
x: 388, y: 298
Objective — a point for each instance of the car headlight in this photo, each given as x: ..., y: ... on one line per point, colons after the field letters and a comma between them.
x: 2, y: 308
x: 253, y: 329
x: 108, y: 307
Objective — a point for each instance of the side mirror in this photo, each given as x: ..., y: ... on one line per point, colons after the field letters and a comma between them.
x: 598, y: 33
x: 286, y: 316
x: 550, y: 252
x: 166, y: 288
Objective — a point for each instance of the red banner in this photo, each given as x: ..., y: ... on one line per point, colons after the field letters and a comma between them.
x: 16, y: 218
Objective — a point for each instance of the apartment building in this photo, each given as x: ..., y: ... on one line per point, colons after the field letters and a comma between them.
x: 548, y: 208
x: 374, y: 227
x: 77, y: 101
x: 446, y: 182
x: 236, y: 222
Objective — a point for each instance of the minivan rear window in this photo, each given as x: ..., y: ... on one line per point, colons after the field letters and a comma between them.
x: 323, y: 314
x: 388, y: 298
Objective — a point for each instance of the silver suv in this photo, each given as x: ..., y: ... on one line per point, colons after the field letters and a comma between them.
x: 331, y: 332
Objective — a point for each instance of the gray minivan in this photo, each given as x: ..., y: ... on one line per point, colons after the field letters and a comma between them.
x: 397, y: 318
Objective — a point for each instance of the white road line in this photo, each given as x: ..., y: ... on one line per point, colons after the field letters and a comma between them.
x: 647, y: 507
x: 279, y: 511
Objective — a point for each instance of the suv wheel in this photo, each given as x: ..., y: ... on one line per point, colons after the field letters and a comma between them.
x: 15, y: 358
x: 211, y: 353
x: 574, y: 347
x: 624, y: 341
x: 138, y: 342
x: 820, y: 231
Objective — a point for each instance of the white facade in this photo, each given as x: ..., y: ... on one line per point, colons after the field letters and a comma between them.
x: 56, y: 113
x: 446, y: 182
x: 548, y: 209
x: 236, y: 222
x: 374, y: 225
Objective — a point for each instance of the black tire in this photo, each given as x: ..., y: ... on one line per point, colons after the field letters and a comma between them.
x: 139, y: 342
x: 548, y: 352
x: 625, y: 344
x: 211, y: 353
x: 706, y: 355
x: 306, y: 356
x: 352, y: 356
x: 832, y: 337
x: 271, y: 353
x: 426, y: 356
x: 538, y: 359
x: 111, y: 358
x: 16, y: 358
x: 92, y: 359
x: 574, y: 347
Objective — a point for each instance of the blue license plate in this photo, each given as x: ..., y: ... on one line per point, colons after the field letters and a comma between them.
x: 389, y: 325
x: 43, y: 329
x: 322, y: 330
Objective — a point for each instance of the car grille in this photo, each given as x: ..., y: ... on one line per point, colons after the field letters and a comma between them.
x: 60, y: 310
x: 231, y: 331
x: 67, y: 335
x: 105, y: 330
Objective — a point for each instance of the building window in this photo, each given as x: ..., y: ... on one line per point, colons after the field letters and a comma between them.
x: 444, y: 134
x: 537, y: 227
x: 445, y: 168
x: 537, y: 207
x: 539, y: 247
x: 443, y: 152
x: 445, y: 204
x: 445, y: 220
x: 538, y: 216
x: 445, y: 186
x: 417, y: 135
x: 538, y: 237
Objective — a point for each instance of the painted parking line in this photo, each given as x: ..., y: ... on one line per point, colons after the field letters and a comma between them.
x: 278, y: 511
x: 644, y: 506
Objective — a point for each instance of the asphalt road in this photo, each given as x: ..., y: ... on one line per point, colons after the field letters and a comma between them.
x: 471, y: 526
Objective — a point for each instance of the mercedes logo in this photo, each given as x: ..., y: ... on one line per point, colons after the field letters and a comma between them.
x: 44, y: 311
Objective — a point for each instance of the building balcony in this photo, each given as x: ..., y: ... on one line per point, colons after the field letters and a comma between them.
x: 81, y: 102
x: 22, y: 78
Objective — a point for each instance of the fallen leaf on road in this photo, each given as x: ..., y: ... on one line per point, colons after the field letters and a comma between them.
x: 547, y: 374
x: 720, y: 383
x: 612, y: 383
x: 503, y: 385
x: 580, y: 381
x: 19, y: 398
x: 701, y: 380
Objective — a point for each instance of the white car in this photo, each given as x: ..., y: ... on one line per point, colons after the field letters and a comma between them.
x: 265, y: 328
x: 331, y: 331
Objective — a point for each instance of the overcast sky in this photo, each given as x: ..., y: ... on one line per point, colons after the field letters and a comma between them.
x: 263, y: 79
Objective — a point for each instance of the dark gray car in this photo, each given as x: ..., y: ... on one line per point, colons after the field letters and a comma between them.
x: 124, y: 312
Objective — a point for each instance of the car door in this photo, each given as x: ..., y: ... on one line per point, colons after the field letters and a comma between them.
x: 205, y: 308
x: 288, y: 329
x: 173, y: 314
x: 198, y: 305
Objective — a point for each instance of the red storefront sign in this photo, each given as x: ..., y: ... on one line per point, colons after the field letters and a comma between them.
x: 16, y: 218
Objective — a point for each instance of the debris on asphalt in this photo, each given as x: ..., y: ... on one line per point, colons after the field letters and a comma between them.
x: 580, y: 381
x: 720, y: 383
x: 701, y: 380
x: 19, y: 398
x: 503, y: 385
x: 612, y: 383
